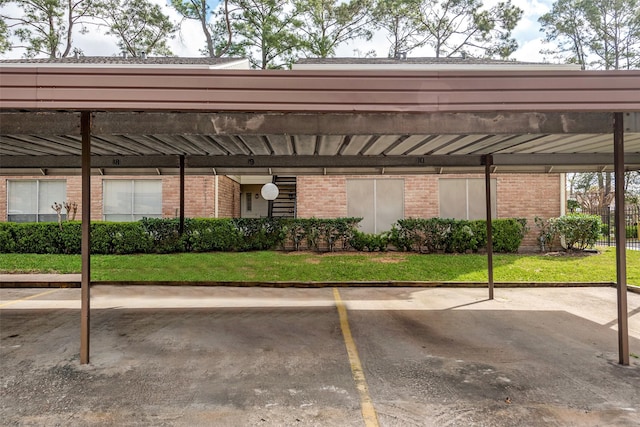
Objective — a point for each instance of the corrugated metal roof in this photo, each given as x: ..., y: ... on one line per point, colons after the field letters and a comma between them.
x: 263, y: 122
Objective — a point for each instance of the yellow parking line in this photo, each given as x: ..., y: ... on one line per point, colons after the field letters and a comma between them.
x: 368, y: 411
x: 29, y: 297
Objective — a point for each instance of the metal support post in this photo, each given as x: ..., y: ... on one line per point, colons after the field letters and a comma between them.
x: 181, y: 229
x: 85, y: 311
x: 621, y: 240
x: 488, y: 160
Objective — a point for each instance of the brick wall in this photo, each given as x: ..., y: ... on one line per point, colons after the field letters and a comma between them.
x: 199, y: 195
x: 321, y: 196
x: 229, y: 198
x: 519, y: 195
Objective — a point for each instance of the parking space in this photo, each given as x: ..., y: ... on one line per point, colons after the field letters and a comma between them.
x: 261, y: 356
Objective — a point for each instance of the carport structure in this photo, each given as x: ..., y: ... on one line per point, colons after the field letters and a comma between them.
x: 177, y: 120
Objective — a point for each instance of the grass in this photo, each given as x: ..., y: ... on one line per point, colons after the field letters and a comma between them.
x: 282, y: 266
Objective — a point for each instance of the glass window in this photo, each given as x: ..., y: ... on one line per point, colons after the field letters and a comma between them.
x: 31, y: 200
x: 131, y: 199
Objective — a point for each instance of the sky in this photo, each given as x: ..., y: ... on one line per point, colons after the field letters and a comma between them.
x: 189, y: 41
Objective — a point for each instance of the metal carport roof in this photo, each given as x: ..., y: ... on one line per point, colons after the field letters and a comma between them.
x: 55, y: 119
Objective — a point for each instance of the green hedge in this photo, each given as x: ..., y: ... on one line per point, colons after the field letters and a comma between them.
x: 456, y: 236
x: 153, y: 235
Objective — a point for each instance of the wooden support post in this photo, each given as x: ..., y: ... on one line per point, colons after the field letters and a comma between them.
x: 85, y: 311
x: 621, y: 239
x: 488, y: 160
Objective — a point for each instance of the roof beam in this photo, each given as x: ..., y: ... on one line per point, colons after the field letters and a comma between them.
x: 241, y: 162
x: 436, y: 123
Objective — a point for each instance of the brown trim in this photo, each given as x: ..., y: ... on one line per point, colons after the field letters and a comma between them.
x: 320, y: 91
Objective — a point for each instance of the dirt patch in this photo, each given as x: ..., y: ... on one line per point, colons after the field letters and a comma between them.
x: 574, y: 254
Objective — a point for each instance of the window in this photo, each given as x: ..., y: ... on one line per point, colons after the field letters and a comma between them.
x: 248, y: 201
x: 31, y: 200
x: 464, y: 198
x: 131, y: 199
x: 379, y: 202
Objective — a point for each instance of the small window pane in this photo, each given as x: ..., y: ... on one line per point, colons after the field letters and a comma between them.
x: 22, y: 200
x: 117, y: 197
x: 51, y: 192
x: 147, y: 197
x: 118, y: 218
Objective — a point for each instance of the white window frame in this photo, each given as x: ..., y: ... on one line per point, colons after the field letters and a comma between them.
x: 37, y: 196
x: 132, y: 215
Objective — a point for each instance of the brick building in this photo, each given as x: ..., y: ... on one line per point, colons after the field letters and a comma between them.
x: 379, y: 199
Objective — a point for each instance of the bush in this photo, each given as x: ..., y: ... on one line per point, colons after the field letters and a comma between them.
x: 119, y: 238
x: 456, y: 236
x: 631, y: 231
x: 206, y: 235
x: 165, y: 234
x: 508, y: 234
x: 368, y: 241
x: 578, y: 230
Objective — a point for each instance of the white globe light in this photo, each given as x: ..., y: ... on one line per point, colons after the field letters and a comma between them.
x: 270, y: 191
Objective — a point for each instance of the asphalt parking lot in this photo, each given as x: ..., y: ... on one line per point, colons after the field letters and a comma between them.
x: 225, y: 356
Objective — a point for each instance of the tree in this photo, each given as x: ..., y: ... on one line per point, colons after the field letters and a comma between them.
x: 450, y: 27
x: 401, y: 21
x: 214, y: 33
x: 266, y: 31
x: 47, y: 26
x: 454, y: 27
x: 140, y: 26
x: 602, y: 34
x: 328, y: 23
x: 4, y: 36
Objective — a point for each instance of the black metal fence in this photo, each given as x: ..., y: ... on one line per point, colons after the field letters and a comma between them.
x: 632, y: 218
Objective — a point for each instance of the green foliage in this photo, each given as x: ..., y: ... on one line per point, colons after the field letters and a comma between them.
x: 259, y: 233
x: 156, y: 235
x: 579, y: 231
x: 46, y: 27
x: 139, y: 25
x: 602, y: 34
x: 120, y: 238
x: 164, y: 233
x: 5, y: 45
x: 327, y: 24
x: 435, y: 235
x: 631, y: 231
x: 485, y: 31
x: 370, y: 242
x: 210, y: 234
x: 449, y: 27
x: 266, y: 32
x: 508, y: 234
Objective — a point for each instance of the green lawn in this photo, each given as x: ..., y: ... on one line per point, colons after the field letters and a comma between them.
x: 282, y: 266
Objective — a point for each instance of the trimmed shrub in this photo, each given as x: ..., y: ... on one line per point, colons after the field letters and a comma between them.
x: 119, y: 238
x: 165, y: 234
x: 456, y: 236
x: 508, y: 234
x: 578, y: 230
x: 210, y: 234
x: 368, y: 241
